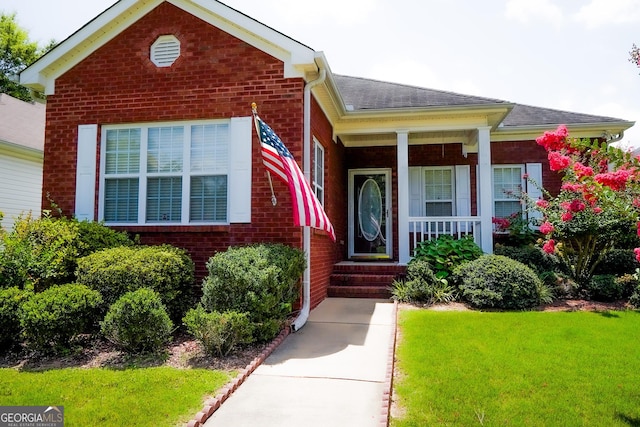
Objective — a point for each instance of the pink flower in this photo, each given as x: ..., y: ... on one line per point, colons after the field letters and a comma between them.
x: 638, y: 228
x: 544, y: 204
x: 574, y: 188
x: 567, y: 216
x: 550, y: 246
x: 554, y: 140
x: 558, y: 161
x: 617, y: 180
x: 582, y: 170
x: 637, y: 252
x: 577, y: 206
x: 597, y: 210
x: 525, y: 176
x: 546, y: 228
x: 501, y: 223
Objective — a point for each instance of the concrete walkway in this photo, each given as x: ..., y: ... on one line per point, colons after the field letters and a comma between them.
x: 336, y: 371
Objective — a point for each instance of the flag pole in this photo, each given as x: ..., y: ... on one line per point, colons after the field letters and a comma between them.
x: 254, y: 109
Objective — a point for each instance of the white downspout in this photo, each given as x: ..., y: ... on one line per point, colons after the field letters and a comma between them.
x: 306, y: 236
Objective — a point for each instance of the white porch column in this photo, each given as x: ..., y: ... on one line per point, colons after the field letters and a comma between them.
x: 403, y: 197
x: 485, y: 188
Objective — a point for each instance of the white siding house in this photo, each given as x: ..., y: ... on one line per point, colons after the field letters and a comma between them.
x: 21, y: 153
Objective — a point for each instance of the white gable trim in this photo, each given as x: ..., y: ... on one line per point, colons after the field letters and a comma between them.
x: 41, y: 75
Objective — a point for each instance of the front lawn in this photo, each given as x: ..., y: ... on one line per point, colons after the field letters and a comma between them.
x: 518, y: 368
x: 158, y: 396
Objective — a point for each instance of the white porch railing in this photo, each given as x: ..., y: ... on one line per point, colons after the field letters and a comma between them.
x: 430, y: 227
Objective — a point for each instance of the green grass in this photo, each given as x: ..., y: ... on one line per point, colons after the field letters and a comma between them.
x: 518, y: 369
x: 158, y: 396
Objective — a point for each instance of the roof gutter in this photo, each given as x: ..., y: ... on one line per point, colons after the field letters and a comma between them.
x: 300, y: 321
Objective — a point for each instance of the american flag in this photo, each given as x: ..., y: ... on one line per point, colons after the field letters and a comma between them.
x: 307, y: 210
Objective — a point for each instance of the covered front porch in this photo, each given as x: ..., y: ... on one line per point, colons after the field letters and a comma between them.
x: 416, y: 187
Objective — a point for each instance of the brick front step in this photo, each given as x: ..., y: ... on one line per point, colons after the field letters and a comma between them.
x: 362, y: 291
x: 364, y: 279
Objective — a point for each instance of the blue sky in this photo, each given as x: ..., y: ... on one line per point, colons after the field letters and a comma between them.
x: 566, y: 54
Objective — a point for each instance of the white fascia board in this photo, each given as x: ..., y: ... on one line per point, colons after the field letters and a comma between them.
x: 42, y: 74
x: 578, y: 130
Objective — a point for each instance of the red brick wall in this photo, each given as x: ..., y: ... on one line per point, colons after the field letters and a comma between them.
x: 217, y: 76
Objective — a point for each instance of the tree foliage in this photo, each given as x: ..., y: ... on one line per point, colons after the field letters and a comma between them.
x: 17, y: 52
x: 598, y: 207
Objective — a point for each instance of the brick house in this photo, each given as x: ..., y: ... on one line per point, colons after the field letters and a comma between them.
x: 149, y: 128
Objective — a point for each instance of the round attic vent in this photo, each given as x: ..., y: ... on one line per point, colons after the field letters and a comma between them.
x: 165, y: 50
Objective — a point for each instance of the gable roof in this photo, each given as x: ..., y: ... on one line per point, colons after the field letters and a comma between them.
x: 343, y: 98
x: 297, y: 58
x: 22, y: 123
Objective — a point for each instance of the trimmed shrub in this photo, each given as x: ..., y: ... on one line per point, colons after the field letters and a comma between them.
x: 422, y: 286
x: 11, y: 300
x: 262, y: 280
x: 219, y: 333
x: 617, y: 262
x: 40, y: 252
x: 607, y: 287
x: 495, y: 281
x: 52, y: 319
x: 165, y: 269
x: 138, y: 322
x: 446, y: 253
x: 95, y: 236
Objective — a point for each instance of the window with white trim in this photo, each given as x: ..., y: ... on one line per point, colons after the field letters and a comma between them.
x: 438, y: 191
x: 508, y: 183
x: 175, y: 173
x: 318, y: 171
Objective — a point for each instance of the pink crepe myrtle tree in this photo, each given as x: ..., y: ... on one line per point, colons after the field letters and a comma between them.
x: 634, y: 55
x: 598, y: 205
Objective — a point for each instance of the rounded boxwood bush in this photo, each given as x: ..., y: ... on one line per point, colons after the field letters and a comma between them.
x: 51, y: 319
x: 495, y: 281
x: 219, y: 333
x: 11, y: 300
x: 138, y: 322
x: 165, y: 269
x: 262, y: 280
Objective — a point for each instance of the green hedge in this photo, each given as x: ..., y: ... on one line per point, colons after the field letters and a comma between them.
x: 495, y: 281
x: 261, y: 280
x: 51, y: 319
x: 40, y: 252
x: 165, y: 269
x: 219, y: 333
x: 138, y: 322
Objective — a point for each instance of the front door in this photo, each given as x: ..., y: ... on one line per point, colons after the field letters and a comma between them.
x: 369, y: 214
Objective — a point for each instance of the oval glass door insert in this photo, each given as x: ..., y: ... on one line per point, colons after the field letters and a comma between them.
x: 370, y: 210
